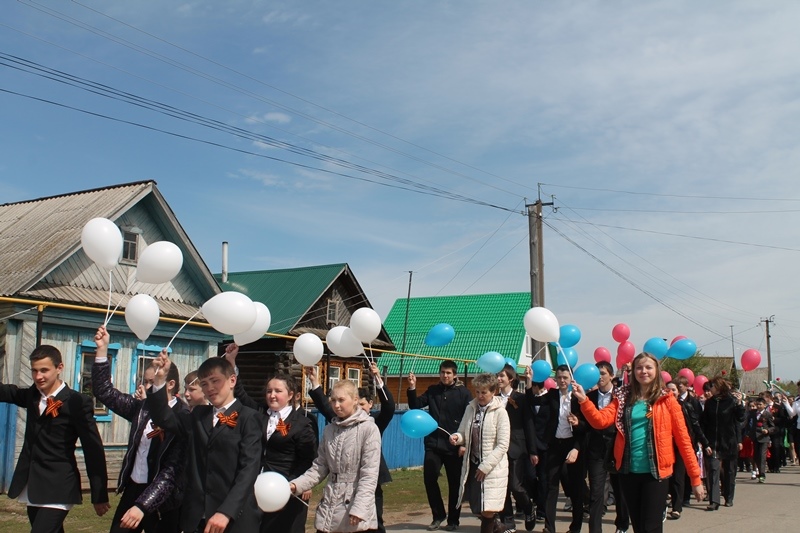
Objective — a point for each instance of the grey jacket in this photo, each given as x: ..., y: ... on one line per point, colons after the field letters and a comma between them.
x: 349, y: 456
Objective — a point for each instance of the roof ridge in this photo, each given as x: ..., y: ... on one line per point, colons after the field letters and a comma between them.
x: 77, y: 193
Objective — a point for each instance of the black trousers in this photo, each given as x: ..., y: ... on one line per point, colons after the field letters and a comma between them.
x: 46, y: 520
x: 557, y: 452
x: 677, y: 483
x: 597, y: 501
x: 646, y: 497
x: 290, y: 519
x: 760, y: 457
x: 379, y: 507
x: 516, y: 478
x: 431, y: 467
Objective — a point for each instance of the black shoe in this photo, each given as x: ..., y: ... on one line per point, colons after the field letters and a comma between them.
x: 530, y: 522
x: 450, y: 527
x: 434, y: 525
x: 729, y: 503
x: 712, y: 507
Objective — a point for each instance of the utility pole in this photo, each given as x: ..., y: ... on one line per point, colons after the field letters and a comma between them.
x: 405, y: 331
x: 733, y: 349
x: 767, y: 322
x: 534, y: 212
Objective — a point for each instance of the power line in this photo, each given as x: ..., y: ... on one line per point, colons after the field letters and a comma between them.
x: 696, y: 196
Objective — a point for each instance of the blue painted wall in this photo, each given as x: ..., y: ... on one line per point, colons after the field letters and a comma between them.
x: 8, y: 430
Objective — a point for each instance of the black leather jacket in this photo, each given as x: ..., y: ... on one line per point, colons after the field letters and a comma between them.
x: 166, y: 468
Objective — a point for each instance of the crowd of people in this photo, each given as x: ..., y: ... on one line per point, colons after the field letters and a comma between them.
x: 191, y: 463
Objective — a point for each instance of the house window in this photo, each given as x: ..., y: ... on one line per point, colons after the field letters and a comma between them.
x: 84, y: 359
x: 332, y: 312
x: 334, y: 375
x: 143, y: 357
x: 130, y: 242
x: 354, y: 375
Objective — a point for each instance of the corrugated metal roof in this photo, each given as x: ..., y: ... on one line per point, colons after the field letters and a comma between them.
x: 482, y: 323
x: 287, y: 293
x: 37, y: 235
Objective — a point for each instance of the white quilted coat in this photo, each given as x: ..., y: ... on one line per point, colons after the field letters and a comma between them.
x: 495, y: 436
x: 349, y: 456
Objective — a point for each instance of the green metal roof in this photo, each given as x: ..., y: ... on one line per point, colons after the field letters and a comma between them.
x: 482, y: 323
x: 288, y: 293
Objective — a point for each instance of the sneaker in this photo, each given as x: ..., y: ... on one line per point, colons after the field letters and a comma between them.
x: 568, y: 506
x: 530, y: 522
x: 762, y: 479
x: 450, y: 527
x: 434, y: 525
x: 753, y: 475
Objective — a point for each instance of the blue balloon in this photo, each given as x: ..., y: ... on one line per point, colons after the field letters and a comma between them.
x: 568, y: 356
x: 440, y: 335
x: 586, y: 375
x: 491, y: 362
x: 511, y: 362
x: 541, y: 370
x: 682, y: 349
x: 569, y: 335
x: 657, y: 347
x: 417, y: 423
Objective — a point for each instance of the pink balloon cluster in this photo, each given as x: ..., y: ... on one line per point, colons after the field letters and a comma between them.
x: 626, y: 350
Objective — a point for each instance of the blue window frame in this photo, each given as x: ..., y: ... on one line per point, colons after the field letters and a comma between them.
x: 144, y: 355
x: 84, y: 359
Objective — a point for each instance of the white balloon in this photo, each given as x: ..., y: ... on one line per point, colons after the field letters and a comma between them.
x: 308, y: 349
x: 541, y: 324
x: 159, y: 262
x: 259, y: 327
x: 365, y: 324
x: 343, y: 342
x: 230, y: 312
x: 102, y: 242
x: 272, y: 491
x: 141, y: 315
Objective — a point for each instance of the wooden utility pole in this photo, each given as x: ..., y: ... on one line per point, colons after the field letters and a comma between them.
x: 537, y: 259
x: 767, y: 322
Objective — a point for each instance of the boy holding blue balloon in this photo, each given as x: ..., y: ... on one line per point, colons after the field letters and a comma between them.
x: 446, y: 402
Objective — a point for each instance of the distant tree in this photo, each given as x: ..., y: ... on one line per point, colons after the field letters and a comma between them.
x: 734, y: 377
x: 697, y: 364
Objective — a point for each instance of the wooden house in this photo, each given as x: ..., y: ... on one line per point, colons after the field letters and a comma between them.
x: 52, y: 293
x: 301, y: 300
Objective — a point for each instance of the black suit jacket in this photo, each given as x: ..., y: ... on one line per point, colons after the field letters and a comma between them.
x: 290, y: 455
x: 224, y: 462
x: 522, y: 442
x: 599, y: 441
x: 553, y: 400
x: 47, y: 462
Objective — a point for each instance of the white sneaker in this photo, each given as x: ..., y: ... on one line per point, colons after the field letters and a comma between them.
x: 753, y: 475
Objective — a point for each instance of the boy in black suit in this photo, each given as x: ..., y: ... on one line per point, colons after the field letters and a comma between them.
x: 46, y: 477
x: 224, y: 450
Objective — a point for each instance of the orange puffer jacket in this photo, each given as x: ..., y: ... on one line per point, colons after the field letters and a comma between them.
x: 668, y: 423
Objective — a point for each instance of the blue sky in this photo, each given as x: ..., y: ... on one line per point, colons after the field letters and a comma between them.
x: 667, y: 131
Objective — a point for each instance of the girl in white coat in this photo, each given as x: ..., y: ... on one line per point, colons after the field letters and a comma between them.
x: 484, y: 432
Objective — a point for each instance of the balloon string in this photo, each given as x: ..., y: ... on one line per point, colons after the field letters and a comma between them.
x: 181, y: 328
x: 560, y: 349
x: 301, y: 499
x: 440, y: 427
x: 108, y: 307
x: 108, y: 316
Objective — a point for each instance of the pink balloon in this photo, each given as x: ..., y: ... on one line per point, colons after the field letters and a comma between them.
x: 688, y: 374
x: 602, y: 354
x: 625, y: 352
x: 699, y: 381
x: 621, y: 332
x: 666, y: 376
x: 676, y: 339
x: 550, y: 383
x: 750, y: 359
